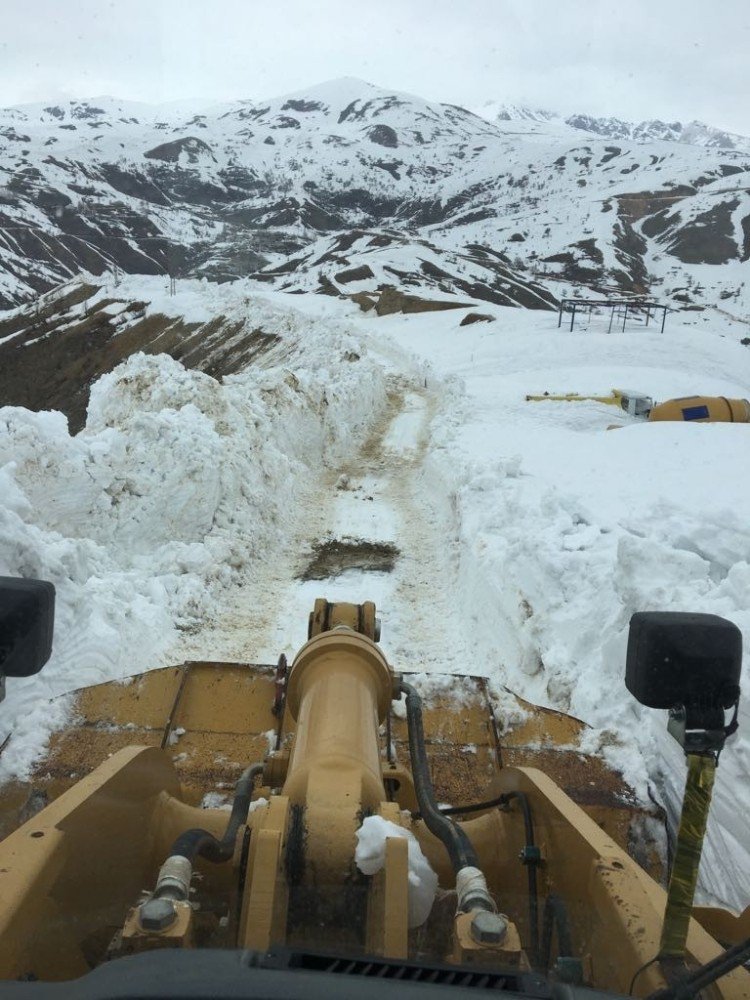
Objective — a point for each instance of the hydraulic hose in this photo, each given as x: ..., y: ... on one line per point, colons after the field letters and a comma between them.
x: 471, y: 885
x: 200, y: 843
x: 555, y: 917
x: 529, y: 855
x: 460, y: 849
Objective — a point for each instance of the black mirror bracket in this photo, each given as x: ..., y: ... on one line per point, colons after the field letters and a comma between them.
x: 702, y: 731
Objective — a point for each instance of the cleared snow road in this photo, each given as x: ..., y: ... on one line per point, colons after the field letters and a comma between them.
x: 380, y: 499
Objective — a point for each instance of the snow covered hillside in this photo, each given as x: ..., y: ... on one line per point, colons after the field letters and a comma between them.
x: 390, y: 457
x: 250, y: 189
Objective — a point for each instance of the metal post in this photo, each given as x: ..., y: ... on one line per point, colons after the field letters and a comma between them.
x: 663, y: 318
x: 648, y: 314
x: 559, y: 318
x: 625, y: 317
x: 611, y: 318
x: 573, y: 316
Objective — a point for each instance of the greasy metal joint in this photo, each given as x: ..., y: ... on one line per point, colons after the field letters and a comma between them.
x: 348, y: 652
x: 275, y: 768
x: 157, y: 914
x: 472, y: 892
x: 174, y: 878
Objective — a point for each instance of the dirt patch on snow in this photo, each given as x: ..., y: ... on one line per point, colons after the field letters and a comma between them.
x: 337, y: 555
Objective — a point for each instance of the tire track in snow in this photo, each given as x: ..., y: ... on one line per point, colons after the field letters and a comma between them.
x: 422, y: 628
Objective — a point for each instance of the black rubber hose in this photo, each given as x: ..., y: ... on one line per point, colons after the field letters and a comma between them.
x: 200, y: 843
x: 460, y: 849
x: 473, y: 807
x: 530, y: 862
x: 555, y: 917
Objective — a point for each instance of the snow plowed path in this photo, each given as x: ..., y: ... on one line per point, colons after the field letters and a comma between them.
x: 381, y: 496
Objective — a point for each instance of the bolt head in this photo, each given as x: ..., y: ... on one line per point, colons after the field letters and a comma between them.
x: 157, y: 914
x: 488, y: 928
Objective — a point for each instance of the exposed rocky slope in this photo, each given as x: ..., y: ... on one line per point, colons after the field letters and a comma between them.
x: 80, y: 331
x: 305, y: 188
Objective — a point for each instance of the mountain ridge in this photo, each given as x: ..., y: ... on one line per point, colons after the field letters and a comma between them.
x: 244, y: 189
x: 693, y: 132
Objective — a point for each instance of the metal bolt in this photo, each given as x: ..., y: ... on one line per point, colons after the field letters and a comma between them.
x: 157, y: 914
x: 488, y: 928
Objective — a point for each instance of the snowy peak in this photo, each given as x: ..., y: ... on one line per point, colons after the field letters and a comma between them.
x: 651, y: 130
x: 654, y: 130
x: 348, y: 108
x: 53, y: 120
x: 495, y: 111
x: 331, y: 94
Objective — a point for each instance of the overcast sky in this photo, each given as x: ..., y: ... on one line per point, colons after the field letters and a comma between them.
x: 635, y: 59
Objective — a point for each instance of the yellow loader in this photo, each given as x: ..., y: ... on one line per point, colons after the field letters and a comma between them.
x: 374, y: 843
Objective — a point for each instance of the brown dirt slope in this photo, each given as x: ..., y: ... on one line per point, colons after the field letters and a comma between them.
x: 59, y: 347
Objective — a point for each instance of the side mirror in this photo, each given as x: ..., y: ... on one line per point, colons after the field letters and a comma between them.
x: 689, y: 664
x: 27, y: 615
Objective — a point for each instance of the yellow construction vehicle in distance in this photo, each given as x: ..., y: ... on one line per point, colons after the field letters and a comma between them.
x: 633, y: 403
x: 703, y: 409
x: 700, y: 409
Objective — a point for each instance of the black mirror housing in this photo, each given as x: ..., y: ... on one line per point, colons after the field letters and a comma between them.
x: 27, y: 618
x: 678, y: 658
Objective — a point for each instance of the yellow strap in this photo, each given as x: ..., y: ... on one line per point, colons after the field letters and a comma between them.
x: 684, y: 877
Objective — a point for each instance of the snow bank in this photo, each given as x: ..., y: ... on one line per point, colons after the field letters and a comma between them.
x: 564, y: 529
x: 163, y: 508
x: 370, y: 858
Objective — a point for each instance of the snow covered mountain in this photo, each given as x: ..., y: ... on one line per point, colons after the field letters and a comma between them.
x: 501, y: 111
x: 255, y: 190
x: 652, y: 130
x: 694, y: 133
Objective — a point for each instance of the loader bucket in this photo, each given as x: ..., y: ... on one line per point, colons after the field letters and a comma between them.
x: 212, y: 719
